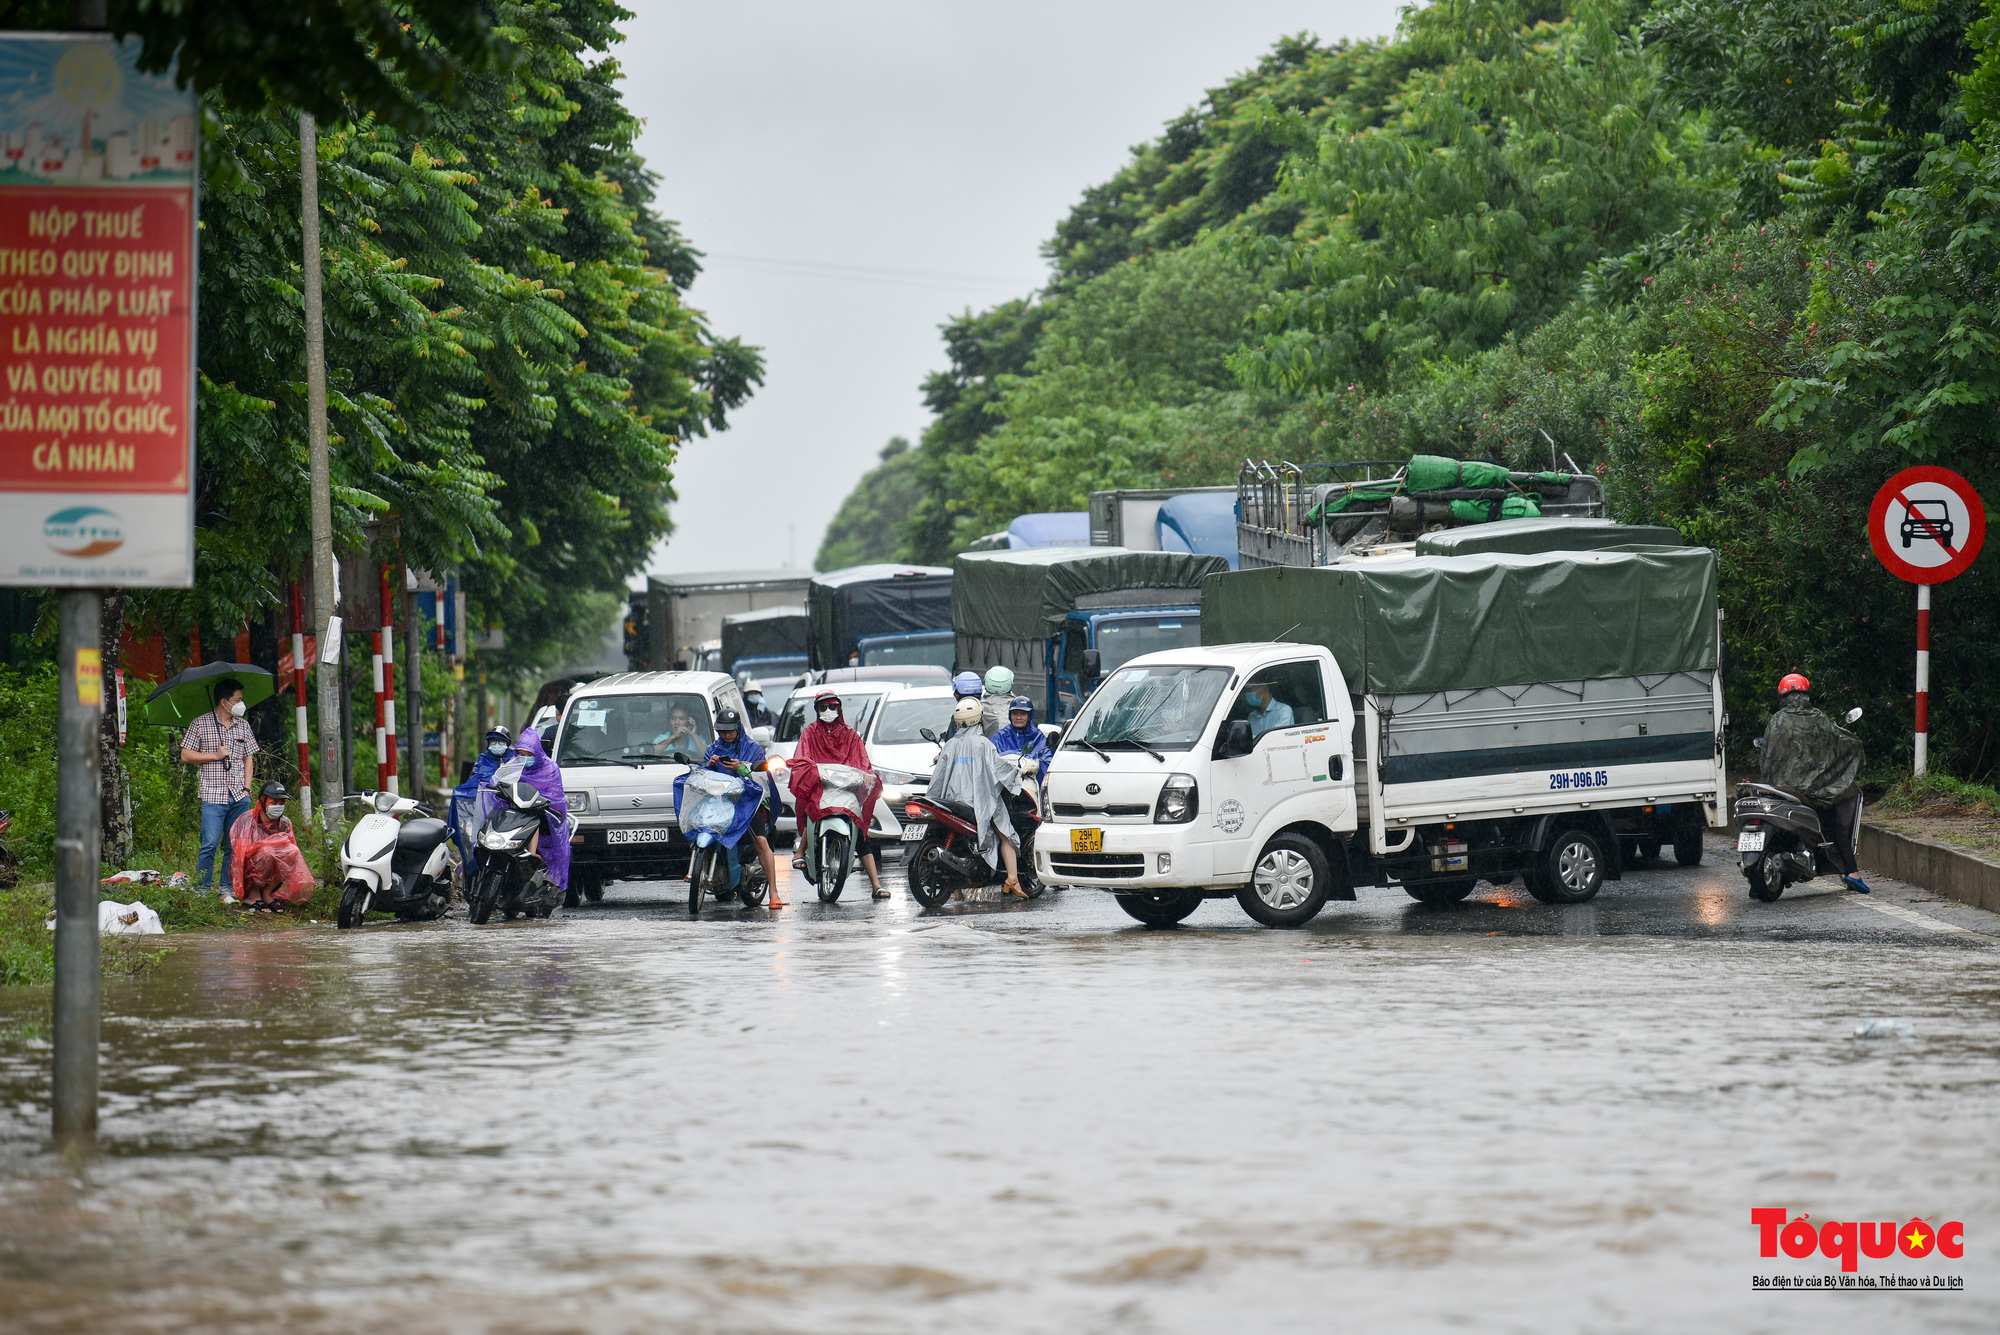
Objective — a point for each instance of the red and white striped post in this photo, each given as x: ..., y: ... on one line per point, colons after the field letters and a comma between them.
x: 1923, y: 676
x: 381, y: 761
x: 386, y: 642
x: 301, y: 726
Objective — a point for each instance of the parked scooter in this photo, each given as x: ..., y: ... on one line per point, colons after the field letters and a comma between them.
x: 708, y: 811
x: 508, y: 871
x: 833, y: 842
x: 946, y: 860
x: 1779, y: 837
x: 394, y: 864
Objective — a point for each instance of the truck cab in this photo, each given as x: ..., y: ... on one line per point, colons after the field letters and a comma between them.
x: 1116, y: 637
x: 1200, y: 771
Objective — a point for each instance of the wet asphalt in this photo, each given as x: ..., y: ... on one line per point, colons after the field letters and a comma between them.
x: 1498, y: 1115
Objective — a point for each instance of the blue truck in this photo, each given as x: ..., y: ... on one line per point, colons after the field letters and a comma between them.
x: 1062, y: 618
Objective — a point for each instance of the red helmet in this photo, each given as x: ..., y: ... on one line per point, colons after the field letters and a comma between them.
x: 1793, y: 681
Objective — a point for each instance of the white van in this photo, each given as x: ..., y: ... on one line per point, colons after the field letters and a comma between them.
x: 621, y: 742
x: 1229, y: 770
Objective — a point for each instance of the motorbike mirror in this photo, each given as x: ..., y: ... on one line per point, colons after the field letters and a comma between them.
x: 762, y: 736
x: 1854, y: 713
x: 929, y: 735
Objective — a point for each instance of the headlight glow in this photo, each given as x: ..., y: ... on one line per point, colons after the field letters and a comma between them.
x: 1179, y: 800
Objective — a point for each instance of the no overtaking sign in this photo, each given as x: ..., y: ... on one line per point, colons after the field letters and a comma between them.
x: 1927, y: 525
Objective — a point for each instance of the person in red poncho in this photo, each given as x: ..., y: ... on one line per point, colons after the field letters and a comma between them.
x: 266, y: 867
x: 829, y: 741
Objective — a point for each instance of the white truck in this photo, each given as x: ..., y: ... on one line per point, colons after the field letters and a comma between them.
x: 1427, y: 722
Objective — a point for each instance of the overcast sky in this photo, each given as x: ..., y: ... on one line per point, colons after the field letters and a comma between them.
x: 859, y: 171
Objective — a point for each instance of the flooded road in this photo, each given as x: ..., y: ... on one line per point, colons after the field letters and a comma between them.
x: 858, y: 1117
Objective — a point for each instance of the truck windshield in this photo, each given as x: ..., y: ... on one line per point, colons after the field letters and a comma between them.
x: 938, y: 650
x: 607, y: 729
x: 1122, y: 639
x: 1164, y: 705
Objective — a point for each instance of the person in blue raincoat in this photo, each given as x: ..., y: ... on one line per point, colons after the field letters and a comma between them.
x: 465, y: 821
x: 735, y: 752
x: 1022, y: 737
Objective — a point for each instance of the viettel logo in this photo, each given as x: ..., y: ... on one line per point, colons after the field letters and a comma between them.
x: 1836, y: 1238
x: 83, y: 530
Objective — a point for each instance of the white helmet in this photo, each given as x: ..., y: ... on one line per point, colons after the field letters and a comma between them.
x: 966, y: 713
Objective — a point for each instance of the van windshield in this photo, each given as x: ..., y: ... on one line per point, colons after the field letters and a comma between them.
x: 610, y: 729
x: 1164, y: 705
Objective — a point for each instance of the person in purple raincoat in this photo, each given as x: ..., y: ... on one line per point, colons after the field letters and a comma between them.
x: 541, y: 774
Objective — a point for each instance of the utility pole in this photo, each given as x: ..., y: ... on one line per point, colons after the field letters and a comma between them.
x: 80, y: 663
x: 326, y: 584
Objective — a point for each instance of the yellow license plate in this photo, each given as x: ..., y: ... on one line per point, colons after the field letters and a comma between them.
x: 1086, y: 841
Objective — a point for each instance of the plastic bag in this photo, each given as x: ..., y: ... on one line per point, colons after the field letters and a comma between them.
x: 115, y: 919
x: 715, y: 808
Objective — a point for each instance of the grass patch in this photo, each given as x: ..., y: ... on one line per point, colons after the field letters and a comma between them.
x: 1938, y: 795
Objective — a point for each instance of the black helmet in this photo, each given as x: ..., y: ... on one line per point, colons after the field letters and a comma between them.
x: 272, y: 791
x: 729, y: 721
x: 500, y: 731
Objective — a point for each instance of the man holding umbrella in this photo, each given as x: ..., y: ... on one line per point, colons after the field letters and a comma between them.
x: 222, y: 744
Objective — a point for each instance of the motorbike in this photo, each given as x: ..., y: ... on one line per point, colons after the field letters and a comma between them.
x: 833, y: 842
x: 709, y: 810
x: 394, y: 862
x: 1780, y: 839
x: 508, y: 871
x: 947, y: 861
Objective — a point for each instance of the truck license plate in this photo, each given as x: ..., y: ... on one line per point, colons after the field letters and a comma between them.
x: 914, y: 830
x: 653, y: 835
x: 1750, y: 841
x: 1086, y: 841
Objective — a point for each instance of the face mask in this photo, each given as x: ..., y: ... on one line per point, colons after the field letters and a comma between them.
x: 276, y: 811
x: 754, y: 701
x: 497, y: 749
x: 238, y: 709
x: 828, y: 715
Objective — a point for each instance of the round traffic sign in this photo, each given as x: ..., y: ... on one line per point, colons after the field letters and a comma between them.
x: 1926, y: 525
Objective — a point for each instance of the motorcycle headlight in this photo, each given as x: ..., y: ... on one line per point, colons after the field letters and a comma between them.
x: 385, y: 802
x: 497, y: 839
x: 1179, y: 800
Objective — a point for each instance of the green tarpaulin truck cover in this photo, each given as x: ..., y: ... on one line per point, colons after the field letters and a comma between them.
x: 1026, y: 593
x: 1544, y: 535
x: 1445, y: 623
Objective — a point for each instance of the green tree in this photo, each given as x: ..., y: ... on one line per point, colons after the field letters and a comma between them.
x: 868, y: 526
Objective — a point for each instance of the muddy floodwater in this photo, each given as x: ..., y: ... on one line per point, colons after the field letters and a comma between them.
x: 1498, y: 1116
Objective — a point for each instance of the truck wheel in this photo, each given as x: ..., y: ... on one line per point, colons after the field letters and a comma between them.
x: 1687, y: 843
x: 1570, y: 870
x: 1649, y: 849
x: 1440, y: 892
x: 1289, y: 884
x: 1162, y: 910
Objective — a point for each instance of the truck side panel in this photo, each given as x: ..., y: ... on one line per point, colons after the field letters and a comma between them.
x: 1553, y: 746
x: 1027, y: 659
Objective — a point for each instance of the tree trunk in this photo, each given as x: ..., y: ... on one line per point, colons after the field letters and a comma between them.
x: 117, y: 841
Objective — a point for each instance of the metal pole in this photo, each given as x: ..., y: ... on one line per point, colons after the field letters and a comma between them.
x: 1923, y: 677
x: 413, y: 687
x: 81, y: 664
x: 301, y: 726
x: 385, y: 686
x: 326, y: 589
x: 381, y: 733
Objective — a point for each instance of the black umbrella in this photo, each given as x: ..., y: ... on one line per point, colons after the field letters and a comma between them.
x: 186, y: 696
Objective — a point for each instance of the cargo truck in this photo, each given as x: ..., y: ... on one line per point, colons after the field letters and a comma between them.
x: 774, y: 638
x: 684, y: 613
x: 1062, y: 617
x: 899, y: 612
x: 1423, y: 722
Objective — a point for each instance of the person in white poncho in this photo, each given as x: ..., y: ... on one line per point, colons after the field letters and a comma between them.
x: 970, y: 770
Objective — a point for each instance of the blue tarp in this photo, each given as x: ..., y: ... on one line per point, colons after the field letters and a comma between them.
x: 1055, y: 528
x: 1200, y: 522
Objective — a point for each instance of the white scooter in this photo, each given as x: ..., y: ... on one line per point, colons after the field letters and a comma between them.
x: 394, y: 864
